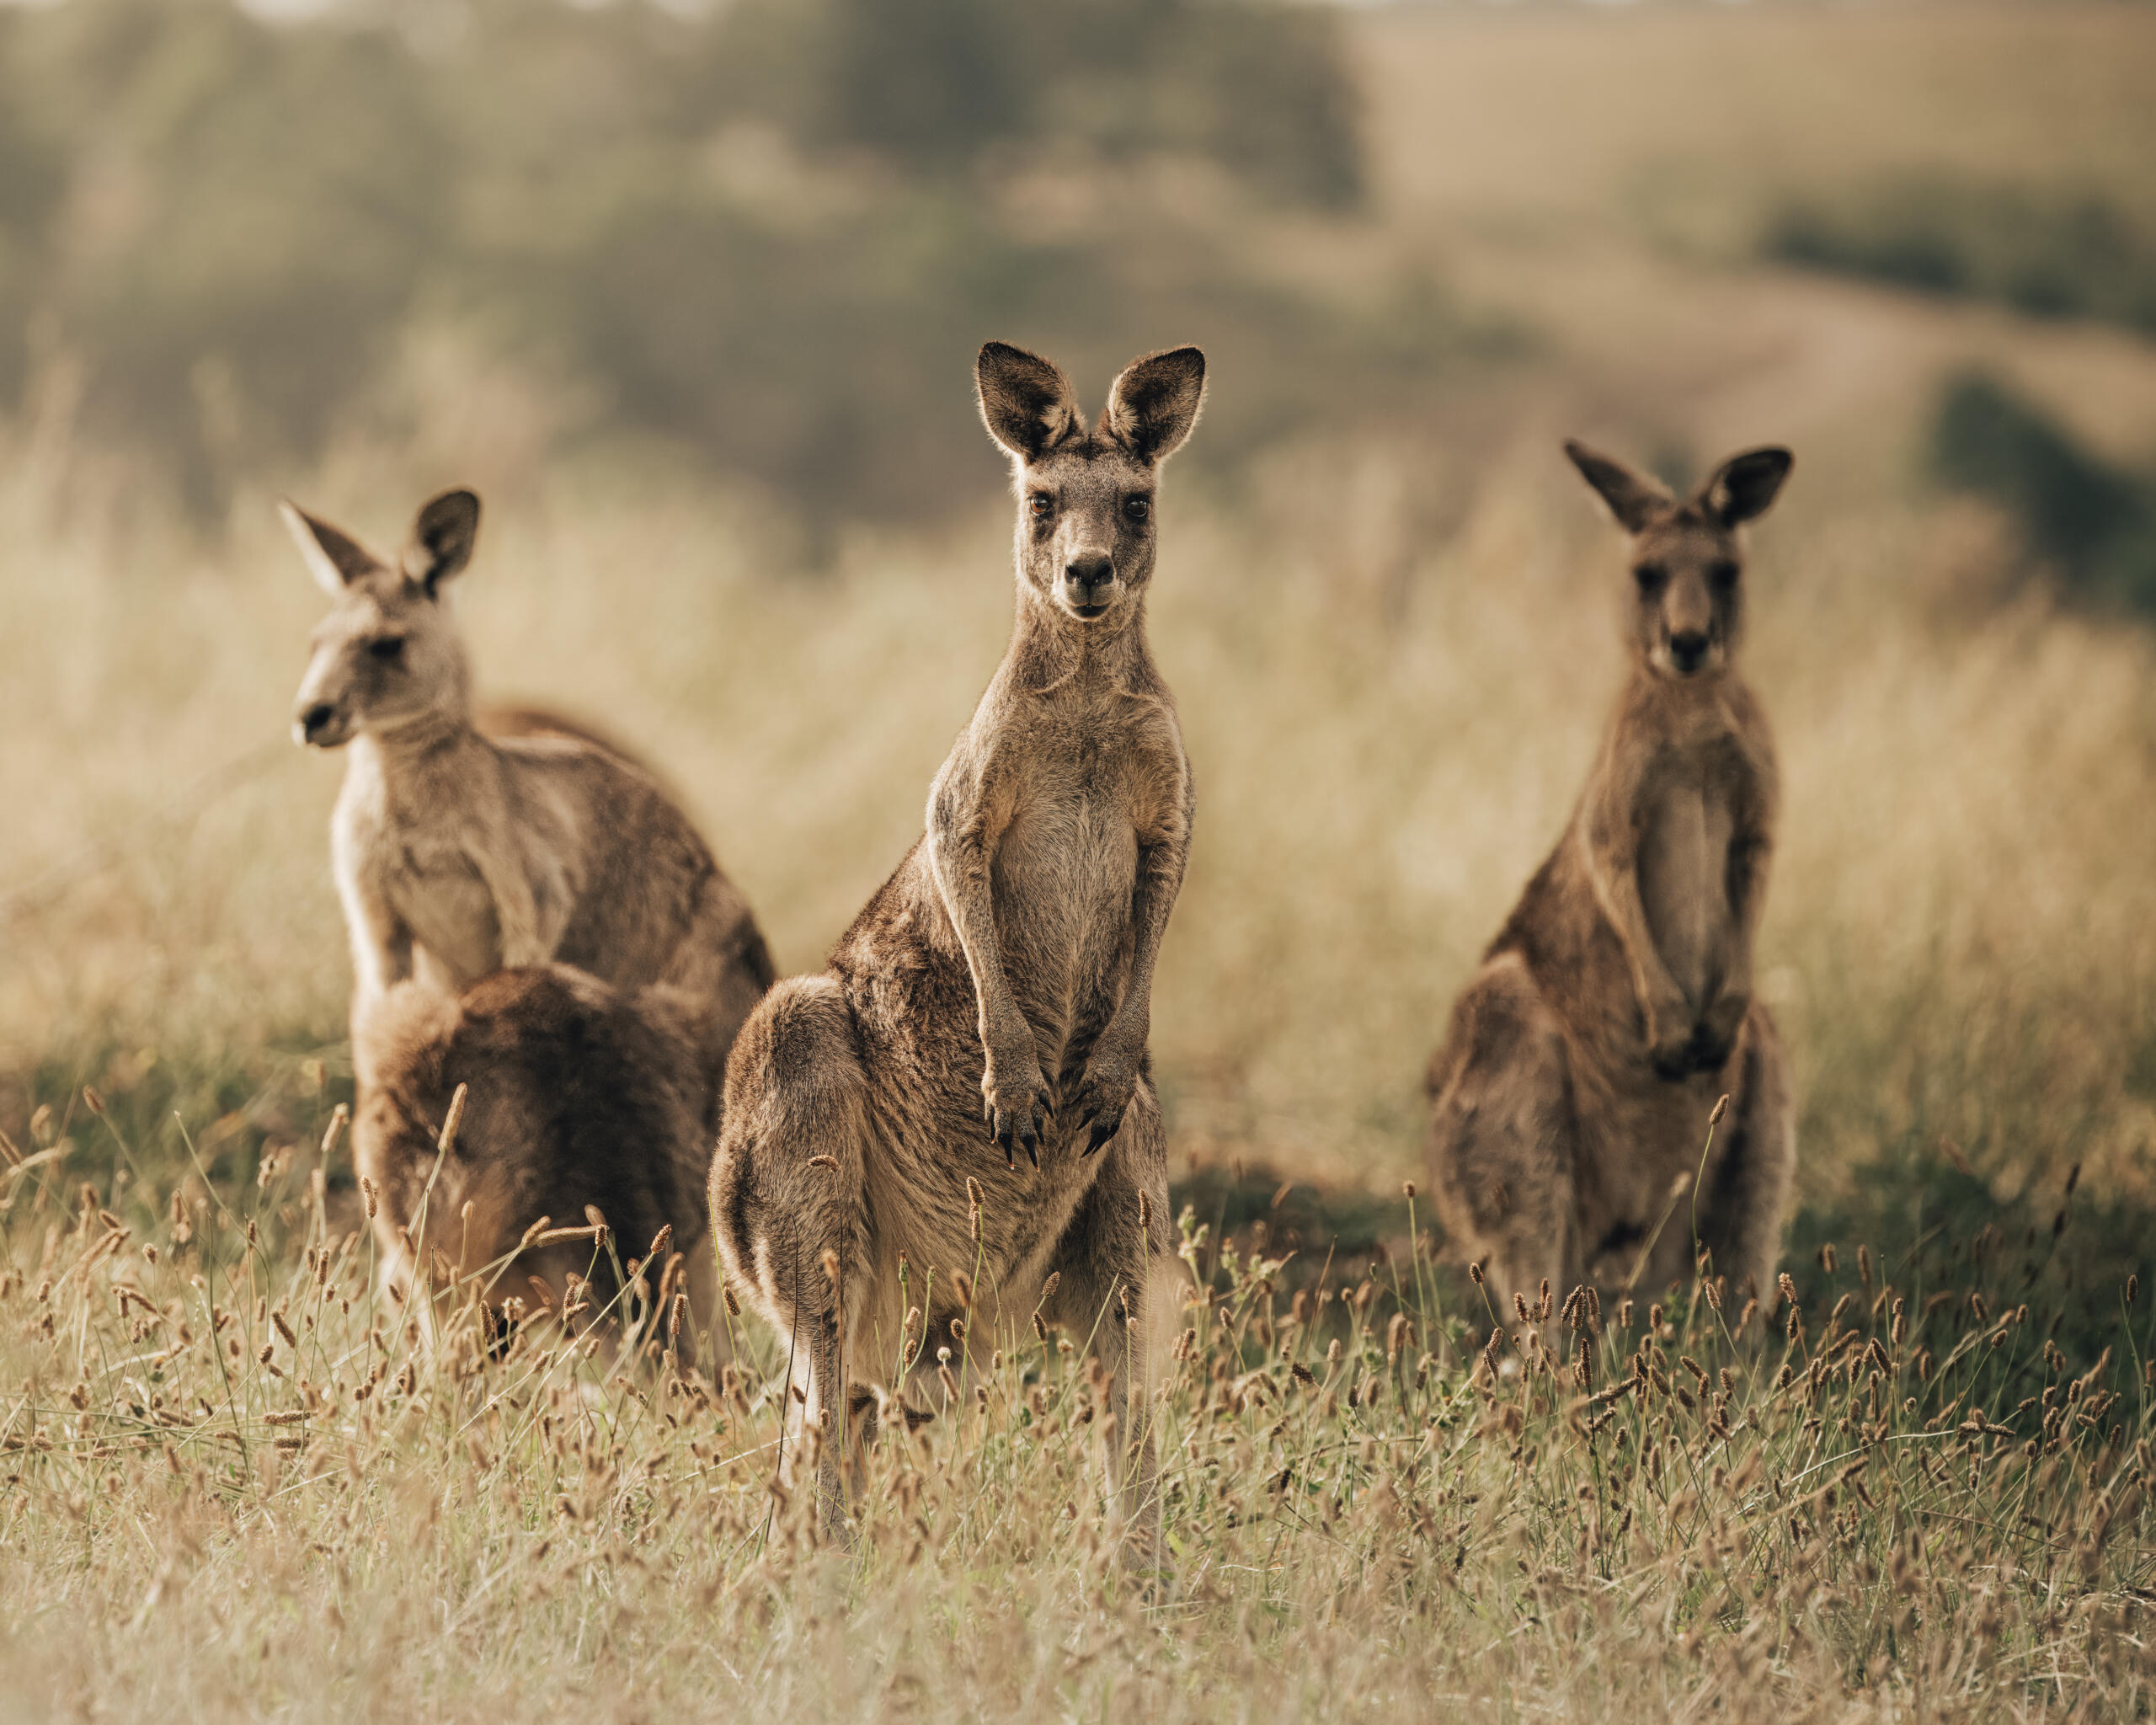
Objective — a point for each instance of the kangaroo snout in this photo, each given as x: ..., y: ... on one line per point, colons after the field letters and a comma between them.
x: 1688, y: 650
x: 1088, y: 580
x: 316, y: 723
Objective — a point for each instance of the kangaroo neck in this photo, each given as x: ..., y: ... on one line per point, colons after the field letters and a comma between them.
x: 1687, y: 703
x: 421, y: 751
x: 1050, y: 650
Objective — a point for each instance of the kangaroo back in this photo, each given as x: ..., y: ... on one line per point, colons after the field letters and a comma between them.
x: 578, y: 1097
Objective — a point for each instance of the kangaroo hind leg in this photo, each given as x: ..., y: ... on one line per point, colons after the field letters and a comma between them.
x: 1107, y: 1265
x: 1502, y: 1145
x: 788, y: 1217
x: 1748, y: 1190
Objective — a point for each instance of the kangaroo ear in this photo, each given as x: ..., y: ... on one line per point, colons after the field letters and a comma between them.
x: 1027, y: 404
x: 333, y: 558
x: 1633, y: 497
x: 1744, y: 485
x: 442, y: 537
x: 1155, y: 402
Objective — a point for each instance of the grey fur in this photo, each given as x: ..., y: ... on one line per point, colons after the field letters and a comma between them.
x: 1569, y: 1102
x: 577, y: 1095
x: 457, y: 853
x: 995, y: 995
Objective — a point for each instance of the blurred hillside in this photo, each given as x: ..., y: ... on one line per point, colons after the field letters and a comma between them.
x: 765, y: 235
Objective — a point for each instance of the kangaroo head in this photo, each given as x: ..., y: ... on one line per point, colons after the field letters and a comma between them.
x: 388, y: 655
x: 1687, y: 594
x: 1086, y: 540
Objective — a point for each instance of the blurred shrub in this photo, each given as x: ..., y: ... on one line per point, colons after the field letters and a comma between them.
x: 2051, y: 256
x: 226, y: 222
x: 771, y: 231
x: 2094, y: 525
x: 1257, y: 87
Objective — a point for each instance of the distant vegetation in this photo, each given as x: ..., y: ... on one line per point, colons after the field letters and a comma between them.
x: 2091, y: 523
x: 767, y: 232
x: 2074, y: 255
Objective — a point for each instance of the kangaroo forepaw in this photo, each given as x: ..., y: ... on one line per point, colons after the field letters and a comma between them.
x: 1710, y: 1049
x: 1103, y: 1099
x: 1674, y: 1060
x: 1017, y: 1115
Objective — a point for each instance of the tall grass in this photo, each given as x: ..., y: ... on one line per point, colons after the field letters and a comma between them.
x: 234, y: 1480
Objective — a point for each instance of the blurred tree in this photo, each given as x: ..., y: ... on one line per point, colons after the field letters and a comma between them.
x: 772, y: 230
x: 2093, y: 525
x: 2060, y: 255
x: 246, y: 215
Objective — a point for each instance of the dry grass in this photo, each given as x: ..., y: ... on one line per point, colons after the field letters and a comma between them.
x: 232, y: 1483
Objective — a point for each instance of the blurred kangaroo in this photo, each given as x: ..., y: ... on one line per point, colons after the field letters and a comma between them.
x: 1571, y: 1101
x: 995, y: 994
x: 577, y: 1094
x: 458, y: 853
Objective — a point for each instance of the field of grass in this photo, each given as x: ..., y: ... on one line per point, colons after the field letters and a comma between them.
x: 1392, y: 651
x: 235, y: 1484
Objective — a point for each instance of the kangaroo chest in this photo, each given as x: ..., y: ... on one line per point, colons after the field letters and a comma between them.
x: 1683, y: 867
x: 416, y: 855
x: 1063, y: 878
x: 437, y: 889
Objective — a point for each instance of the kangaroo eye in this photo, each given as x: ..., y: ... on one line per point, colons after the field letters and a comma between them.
x: 390, y: 647
x: 1138, y: 509
x: 1039, y: 504
x: 1723, y: 574
x: 1650, y: 576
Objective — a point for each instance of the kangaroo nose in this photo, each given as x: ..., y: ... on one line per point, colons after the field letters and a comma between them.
x: 315, y: 716
x: 1687, y: 648
x: 1086, y: 576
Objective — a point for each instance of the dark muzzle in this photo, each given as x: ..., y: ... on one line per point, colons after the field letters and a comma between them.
x: 1087, y: 581
x: 1688, y: 650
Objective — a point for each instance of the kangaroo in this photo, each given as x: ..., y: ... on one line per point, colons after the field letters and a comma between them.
x: 1570, y: 1101
x: 995, y: 994
x: 458, y: 853
x: 577, y: 1094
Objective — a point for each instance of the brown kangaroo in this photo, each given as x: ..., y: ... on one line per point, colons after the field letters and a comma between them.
x: 1571, y: 1101
x: 577, y: 1094
x: 459, y: 852
x: 995, y: 993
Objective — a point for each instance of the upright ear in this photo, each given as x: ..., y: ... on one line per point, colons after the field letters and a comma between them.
x: 442, y: 537
x: 1027, y: 405
x: 1745, y: 484
x: 1633, y: 497
x: 1155, y: 401
x: 333, y: 558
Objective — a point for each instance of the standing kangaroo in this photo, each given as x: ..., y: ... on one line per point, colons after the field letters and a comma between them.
x: 1571, y: 1101
x: 995, y: 994
x: 458, y: 853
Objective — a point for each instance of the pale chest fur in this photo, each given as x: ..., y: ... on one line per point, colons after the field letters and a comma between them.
x: 1684, y: 844
x: 1103, y: 779
x: 1688, y: 821
x: 432, y: 848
